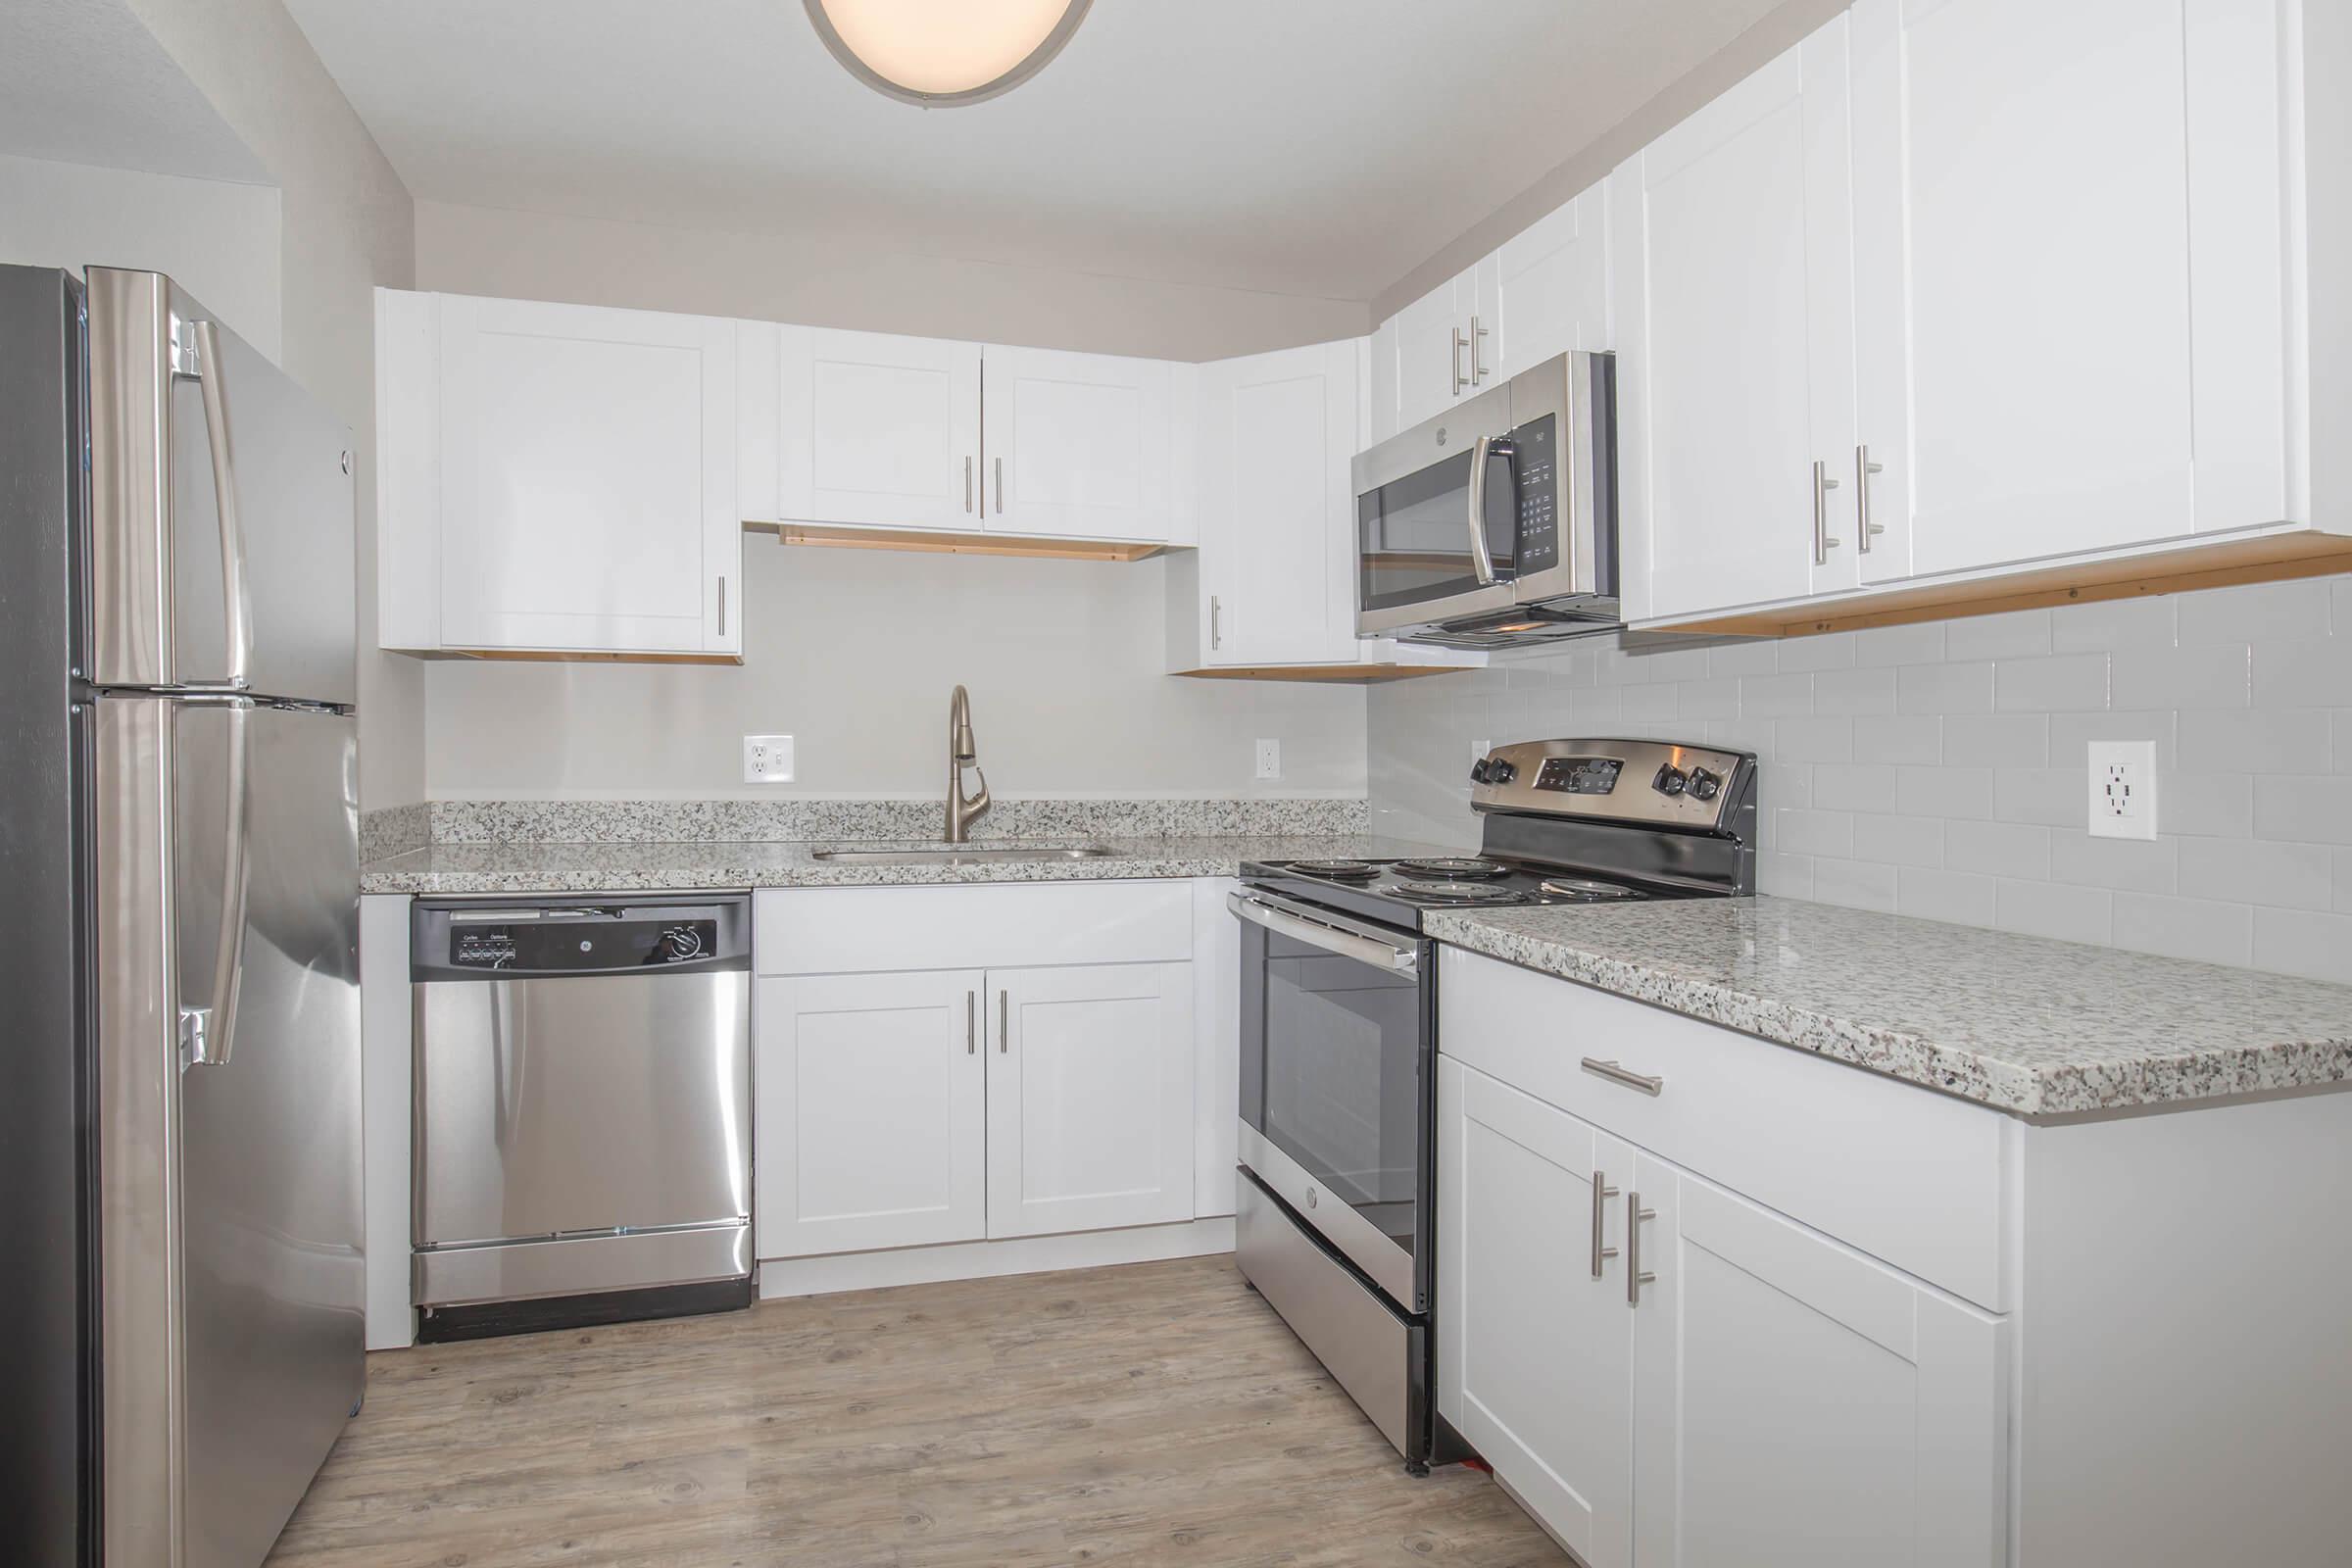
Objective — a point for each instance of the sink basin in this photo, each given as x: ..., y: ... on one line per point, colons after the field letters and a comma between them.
x: 957, y: 854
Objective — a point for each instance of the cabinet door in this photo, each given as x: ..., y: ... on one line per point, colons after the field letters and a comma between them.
x: 1433, y: 364
x: 1736, y: 274
x: 2073, y: 307
x: 1077, y: 445
x: 1799, y: 1405
x: 870, y: 1091
x: 1535, y: 1350
x: 587, y: 479
x: 1090, y: 1098
x: 879, y: 430
x: 1380, y: 386
x: 1551, y: 289
x: 1277, y: 507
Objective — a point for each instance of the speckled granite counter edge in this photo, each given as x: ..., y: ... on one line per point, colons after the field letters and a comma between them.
x: 792, y: 820
x: 2177, y: 1079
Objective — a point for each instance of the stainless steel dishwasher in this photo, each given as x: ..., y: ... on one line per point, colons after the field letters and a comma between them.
x: 580, y: 1141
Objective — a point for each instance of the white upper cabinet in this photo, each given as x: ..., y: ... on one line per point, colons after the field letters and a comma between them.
x: 2071, y: 309
x: 1735, y: 331
x: 878, y: 429
x: 557, y: 478
x: 1273, y: 580
x: 1432, y: 351
x: 1077, y: 445
x: 1549, y: 287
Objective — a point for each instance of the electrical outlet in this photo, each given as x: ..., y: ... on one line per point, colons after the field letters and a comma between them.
x: 767, y: 759
x: 1270, y: 759
x: 2123, y: 789
x: 1479, y: 750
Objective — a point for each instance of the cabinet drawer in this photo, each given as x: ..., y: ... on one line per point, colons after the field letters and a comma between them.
x: 991, y: 926
x: 1898, y: 1172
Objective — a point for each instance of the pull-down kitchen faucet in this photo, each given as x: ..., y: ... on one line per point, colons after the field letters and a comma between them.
x: 963, y: 753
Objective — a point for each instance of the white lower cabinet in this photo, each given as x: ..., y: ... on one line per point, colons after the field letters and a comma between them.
x: 1090, y: 1098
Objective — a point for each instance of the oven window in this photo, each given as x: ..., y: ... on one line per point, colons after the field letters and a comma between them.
x: 1413, y: 535
x: 1331, y: 1076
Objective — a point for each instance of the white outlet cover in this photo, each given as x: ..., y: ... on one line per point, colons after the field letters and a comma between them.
x: 1270, y: 759
x: 2123, y: 790
x: 1479, y: 750
x: 767, y: 759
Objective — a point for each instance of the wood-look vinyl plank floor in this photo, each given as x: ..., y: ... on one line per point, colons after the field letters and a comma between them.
x: 1155, y: 1413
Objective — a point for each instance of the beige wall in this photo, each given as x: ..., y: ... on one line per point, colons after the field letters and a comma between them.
x: 220, y: 240
x: 838, y: 280
x: 346, y: 224
x: 854, y: 652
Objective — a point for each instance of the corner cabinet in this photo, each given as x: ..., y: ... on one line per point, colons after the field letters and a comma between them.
x: 555, y: 481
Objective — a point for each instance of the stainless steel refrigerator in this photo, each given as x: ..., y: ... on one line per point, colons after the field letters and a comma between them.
x: 181, y: 1329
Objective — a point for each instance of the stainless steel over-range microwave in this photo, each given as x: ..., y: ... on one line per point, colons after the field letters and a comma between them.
x: 1495, y: 523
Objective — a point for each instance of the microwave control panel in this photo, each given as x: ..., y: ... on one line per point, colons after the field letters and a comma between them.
x: 1536, y: 470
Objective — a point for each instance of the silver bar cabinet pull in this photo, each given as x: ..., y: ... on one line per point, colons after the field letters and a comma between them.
x: 1000, y: 487
x: 1863, y: 469
x: 971, y: 1024
x: 1216, y: 634
x: 1459, y: 380
x: 1478, y: 365
x: 1823, y: 484
x: 1635, y: 1278
x: 723, y: 607
x: 1004, y: 1022
x: 1602, y: 1191
x: 967, y: 482
x: 1617, y: 1073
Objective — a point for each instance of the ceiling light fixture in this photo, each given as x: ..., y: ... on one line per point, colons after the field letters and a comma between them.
x: 939, y: 53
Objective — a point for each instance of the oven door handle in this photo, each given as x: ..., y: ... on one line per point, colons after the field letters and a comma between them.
x: 1381, y: 955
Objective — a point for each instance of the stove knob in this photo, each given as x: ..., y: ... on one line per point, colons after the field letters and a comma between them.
x: 1481, y: 771
x: 1703, y: 784
x: 1502, y: 772
x: 1671, y: 780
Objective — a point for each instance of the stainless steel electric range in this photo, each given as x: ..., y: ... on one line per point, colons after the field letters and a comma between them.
x: 1338, y: 1033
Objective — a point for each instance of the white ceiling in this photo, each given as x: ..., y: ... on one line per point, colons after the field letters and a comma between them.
x: 1317, y: 147
x: 83, y: 82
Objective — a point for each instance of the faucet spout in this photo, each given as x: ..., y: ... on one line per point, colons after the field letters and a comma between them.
x: 963, y: 752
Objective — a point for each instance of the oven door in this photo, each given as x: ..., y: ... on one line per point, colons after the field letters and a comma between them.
x: 1338, y: 1051
x: 1435, y: 519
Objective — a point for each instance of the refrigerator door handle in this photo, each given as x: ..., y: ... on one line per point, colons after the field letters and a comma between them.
x: 208, y: 1033
x: 236, y: 610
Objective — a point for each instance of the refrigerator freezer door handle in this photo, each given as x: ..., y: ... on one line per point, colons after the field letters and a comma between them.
x: 209, y: 1034
x: 236, y: 602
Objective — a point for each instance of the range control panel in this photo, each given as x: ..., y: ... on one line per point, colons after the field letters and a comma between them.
x: 1641, y: 782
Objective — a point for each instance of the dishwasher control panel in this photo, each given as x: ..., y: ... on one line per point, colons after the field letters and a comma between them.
x: 459, y: 942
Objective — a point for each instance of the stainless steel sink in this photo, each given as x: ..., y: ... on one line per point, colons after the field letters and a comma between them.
x: 957, y: 854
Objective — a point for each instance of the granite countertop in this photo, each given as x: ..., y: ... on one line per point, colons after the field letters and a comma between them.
x: 460, y: 869
x: 2019, y: 1023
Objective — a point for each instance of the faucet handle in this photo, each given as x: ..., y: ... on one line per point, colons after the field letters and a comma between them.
x: 978, y: 802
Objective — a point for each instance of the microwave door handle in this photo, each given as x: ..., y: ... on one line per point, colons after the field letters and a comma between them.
x: 1330, y: 938
x: 1482, y: 561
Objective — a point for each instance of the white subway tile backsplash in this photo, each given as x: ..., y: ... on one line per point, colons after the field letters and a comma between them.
x: 2185, y: 928
x: 1856, y: 884
x: 2069, y: 683
x: 2286, y: 740
x: 2142, y: 865
x: 1853, y: 787
x: 2055, y: 796
x: 2071, y: 735
x: 2055, y: 909
x: 1761, y: 657
x: 2018, y: 634
x: 1944, y: 791
x: 1853, y: 691
x: 2343, y: 881
x: 2017, y: 850
x: 1717, y: 698
x: 1786, y: 876
x: 1774, y: 696
x: 1898, y: 839
x: 1921, y: 642
x: 2342, y: 726
x: 1651, y: 703
x: 2214, y: 805
x: 1996, y: 740
x: 2257, y: 871
x: 1593, y: 709
x: 1933, y: 895
x: 2294, y: 942
x: 1815, y: 740
x: 1943, y: 688
x: 1898, y: 738
x: 2315, y: 672
x: 2209, y: 675
x: 2240, y: 615
x: 1833, y: 650
x: 2300, y: 806
x: 1813, y: 832
x: 2113, y: 624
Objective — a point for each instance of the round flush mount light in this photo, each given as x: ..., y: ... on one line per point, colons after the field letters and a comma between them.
x: 939, y: 53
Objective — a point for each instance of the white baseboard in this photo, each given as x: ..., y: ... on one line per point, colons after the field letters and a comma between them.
x: 980, y: 1260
